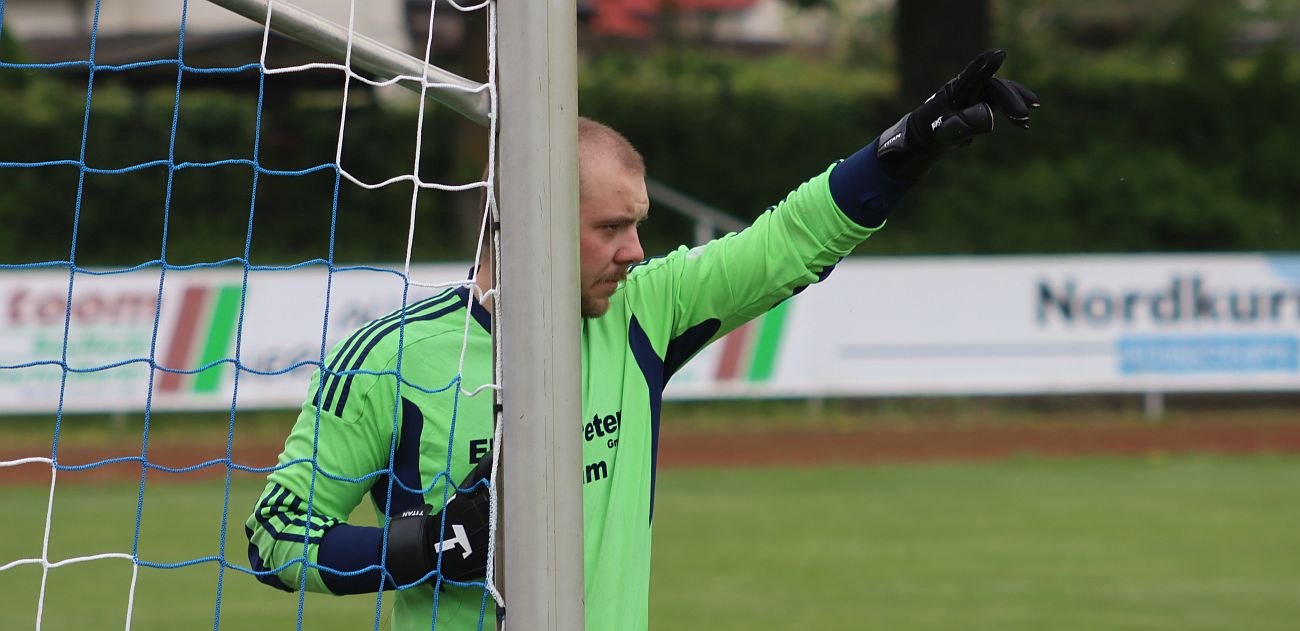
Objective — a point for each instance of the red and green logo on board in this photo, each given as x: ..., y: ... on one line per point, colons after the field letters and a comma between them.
x: 749, y: 352
x: 202, y: 334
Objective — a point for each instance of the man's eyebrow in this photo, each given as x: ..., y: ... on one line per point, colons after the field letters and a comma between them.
x: 631, y: 218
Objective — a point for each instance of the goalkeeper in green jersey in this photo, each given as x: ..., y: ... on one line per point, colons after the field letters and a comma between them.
x: 418, y: 447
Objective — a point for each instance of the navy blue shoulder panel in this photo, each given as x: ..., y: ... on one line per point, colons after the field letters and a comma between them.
x: 652, y: 368
x: 405, y: 467
x: 821, y: 276
x: 682, y: 347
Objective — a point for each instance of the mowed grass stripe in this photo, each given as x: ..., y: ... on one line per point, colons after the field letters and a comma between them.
x: 1201, y: 542
x: 1090, y: 544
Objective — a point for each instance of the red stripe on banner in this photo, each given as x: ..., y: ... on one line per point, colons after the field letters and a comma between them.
x: 178, y: 354
x: 733, y: 351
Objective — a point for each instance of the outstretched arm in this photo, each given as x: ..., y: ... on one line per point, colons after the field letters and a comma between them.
x: 719, y: 286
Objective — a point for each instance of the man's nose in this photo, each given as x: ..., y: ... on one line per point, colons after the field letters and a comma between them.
x: 631, y: 251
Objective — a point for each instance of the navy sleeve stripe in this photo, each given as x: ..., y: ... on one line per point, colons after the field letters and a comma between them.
x: 274, y: 496
x: 283, y: 506
x: 357, y: 338
x: 354, y: 341
x: 346, y: 353
x: 255, y: 563
x: 321, y: 525
x: 279, y: 535
x: 272, y: 507
x: 347, y: 383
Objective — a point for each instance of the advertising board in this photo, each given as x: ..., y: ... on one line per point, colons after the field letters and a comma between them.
x: 875, y: 327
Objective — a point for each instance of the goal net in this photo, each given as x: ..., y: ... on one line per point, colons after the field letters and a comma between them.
x: 223, y: 220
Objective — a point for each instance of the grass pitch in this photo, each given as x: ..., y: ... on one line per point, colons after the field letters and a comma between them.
x: 1185, y: 543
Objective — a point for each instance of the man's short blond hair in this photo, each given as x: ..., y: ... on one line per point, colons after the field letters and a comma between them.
x: 600, y: 141
x: 596, y: 141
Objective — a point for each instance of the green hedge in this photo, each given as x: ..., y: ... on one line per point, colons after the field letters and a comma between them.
x: 1118, y: 165
x: 121, y: 215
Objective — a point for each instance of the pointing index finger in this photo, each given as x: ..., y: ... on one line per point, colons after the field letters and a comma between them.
x: 966, y: 88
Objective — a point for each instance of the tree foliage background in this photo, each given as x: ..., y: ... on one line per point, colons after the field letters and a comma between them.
x: 1167, y: 126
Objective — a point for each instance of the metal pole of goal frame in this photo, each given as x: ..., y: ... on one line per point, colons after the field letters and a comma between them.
x: 538, y: 316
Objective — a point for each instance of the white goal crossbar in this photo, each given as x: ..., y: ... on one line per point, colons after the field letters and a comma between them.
x: 469, y: 98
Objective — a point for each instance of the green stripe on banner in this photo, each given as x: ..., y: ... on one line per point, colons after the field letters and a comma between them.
x: 219, y: 335
x: 769, y: 338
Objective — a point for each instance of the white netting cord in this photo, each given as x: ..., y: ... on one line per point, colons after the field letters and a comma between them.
x: 348, y: 75
x: 419, y: 184
x: 425, y: 85
x: 492, y: 219
x: 44, y: 560
x: 130, y: 599
x: 485, y: 228
x: 45, y: 542
x: 45, y: 546
x: 419, y: 144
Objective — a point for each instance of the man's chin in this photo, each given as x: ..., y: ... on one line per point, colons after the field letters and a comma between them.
x: 594, y: 307
x: 595, y: 301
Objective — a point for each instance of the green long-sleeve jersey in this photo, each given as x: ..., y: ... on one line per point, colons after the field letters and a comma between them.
x: 401, y: 441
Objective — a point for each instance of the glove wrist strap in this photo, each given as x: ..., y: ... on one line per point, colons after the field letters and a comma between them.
x: 900, y: 155
x: 407, y: 556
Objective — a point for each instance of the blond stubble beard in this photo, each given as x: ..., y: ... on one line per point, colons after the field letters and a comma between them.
x: 594, y: 307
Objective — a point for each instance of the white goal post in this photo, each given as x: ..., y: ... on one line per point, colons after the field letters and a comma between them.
x: 539, y: 312
x: 534, y: 88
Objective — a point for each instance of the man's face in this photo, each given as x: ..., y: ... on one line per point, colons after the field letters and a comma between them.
x: 612, y: 202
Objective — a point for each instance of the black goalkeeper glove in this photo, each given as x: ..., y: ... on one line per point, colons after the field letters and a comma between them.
x: 417, y: 538
x: 961, y: 109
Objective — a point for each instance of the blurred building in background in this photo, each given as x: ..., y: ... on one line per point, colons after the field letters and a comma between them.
x: 744, y: 23
x: 133, y: 29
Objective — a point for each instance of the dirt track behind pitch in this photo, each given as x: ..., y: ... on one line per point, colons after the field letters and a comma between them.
x: 722, y: 448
